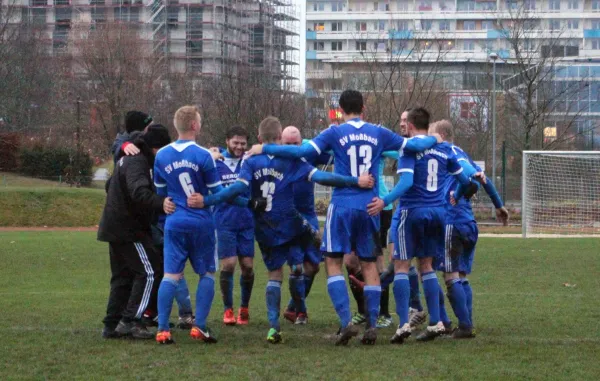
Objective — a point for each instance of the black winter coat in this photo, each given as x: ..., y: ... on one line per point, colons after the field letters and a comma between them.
x: 131, y: 201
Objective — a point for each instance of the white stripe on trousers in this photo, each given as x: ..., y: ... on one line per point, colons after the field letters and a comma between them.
x: 328, y: 227
x: 448, y: 248
x: 149, y: 279
x: 400, y: 232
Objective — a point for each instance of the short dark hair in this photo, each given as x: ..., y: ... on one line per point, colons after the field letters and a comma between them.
x: 136, y: 121
x: 236, y: 131
x: 419, y: 117
x: 351, y: 101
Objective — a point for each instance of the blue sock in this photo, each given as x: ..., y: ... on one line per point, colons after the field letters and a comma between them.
x: 246, y: 285
x: 273, y: 300
x: 458, y: 300
x: 402, y: 296
x: 415, y: 294
x: 182, y: 296
x: 296, y: 285
x: 372, y: 301
x: 469, y: 295
x: 431, y: 288
x: 204, y: 298
x: 338, y: 293
x: 444, y: 318
x: 226, y: 282
x: 166, y: 293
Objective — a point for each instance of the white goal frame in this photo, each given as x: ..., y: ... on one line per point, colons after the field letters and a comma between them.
x: 526, y: 197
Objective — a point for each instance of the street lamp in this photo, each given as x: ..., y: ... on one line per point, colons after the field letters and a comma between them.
x: 493, y: 56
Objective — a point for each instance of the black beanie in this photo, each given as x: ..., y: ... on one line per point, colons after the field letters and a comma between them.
x: 157, y: 136
x: 136, y: 121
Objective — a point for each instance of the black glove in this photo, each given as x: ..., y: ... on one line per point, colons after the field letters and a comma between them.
x: 470, y: 191
x: 258, y: 204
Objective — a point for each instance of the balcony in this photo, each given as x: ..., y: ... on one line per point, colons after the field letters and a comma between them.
x: 323, y: 74
x: 591, y: 33
x: 311, y: 54
x: 311, y: 35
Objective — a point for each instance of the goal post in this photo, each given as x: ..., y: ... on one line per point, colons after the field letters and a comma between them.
x: 561, y: 193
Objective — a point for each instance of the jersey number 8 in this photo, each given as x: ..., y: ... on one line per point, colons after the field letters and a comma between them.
x: 432, y: 178
x: 268, y: 189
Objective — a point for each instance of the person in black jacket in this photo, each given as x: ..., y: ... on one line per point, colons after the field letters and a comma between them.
x: 131, y: 205
x: 134, y: 121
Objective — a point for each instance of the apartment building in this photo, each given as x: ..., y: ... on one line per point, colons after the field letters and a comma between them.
x: 200, y: 37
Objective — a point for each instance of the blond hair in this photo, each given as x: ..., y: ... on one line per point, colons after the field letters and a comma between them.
x: 445, y: 129
x: 184, y: 117
x: 269, y: 129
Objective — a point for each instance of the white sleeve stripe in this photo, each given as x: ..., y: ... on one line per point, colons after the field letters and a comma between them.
x: 457, y: 172
x: 214, y: 184
x: 404, y: 142
x: 315, y: 146
x: 407, y: 170
x: 160, y: 185
x: 243, y: 181
x: 462, y: 159
x: 311, y: 174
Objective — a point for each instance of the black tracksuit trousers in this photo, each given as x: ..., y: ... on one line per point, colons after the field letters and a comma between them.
x: 137, y: 271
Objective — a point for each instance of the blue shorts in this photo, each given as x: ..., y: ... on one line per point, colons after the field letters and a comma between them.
x: 276, y: 256
x: 420, y: 234
x: 348, y: 230
x: 394, y: 226
x: 460, y: 248
x: 313, y: 255
x: 198, y: 246
x: 235, y: 243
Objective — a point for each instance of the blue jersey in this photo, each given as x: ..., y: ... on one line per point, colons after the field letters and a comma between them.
x: 228, y: 216
x: 304, y: 193
x: 273, y: 178
x: 185, y: 168
x: 357, y: 148
x: 433, y: 170
x: 462, y: 212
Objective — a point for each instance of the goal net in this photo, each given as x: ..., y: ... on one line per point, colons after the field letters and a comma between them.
x: 561, y: 193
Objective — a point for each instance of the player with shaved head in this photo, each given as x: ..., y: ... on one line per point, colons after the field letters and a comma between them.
x: 304, y: 201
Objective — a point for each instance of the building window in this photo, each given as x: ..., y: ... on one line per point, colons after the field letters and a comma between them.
x: 554, y: 5
x: 402, y: 25
x: 426, y: 24
x: 336, y: 26
x: 467, y: 6
x: 63, y: 15
x: 361, y: 26
x: 531, y: 24
x: 446, y: 45
x: 62, y: 2
x: 488, y: 45
x: 467, y: 110
x: 529, y: 45
x: 596, y: 44
x: 468, y: 45
x: 400, y: 45
x: 595, y: 24
x: 529, y: 5
x: 512, y: 4
x: 402, y: 5
x: 318, y: 45
x: 337, y: 7
x: 380, y: 25
x: 444, y: 25
x: 573, y: 4
x: 469, y: 25
x: 318, y: 7
x: 361, y: 46
x: 573, y: 24
x: 596, y: 5
x: 336, y: 46
x: 379, y: 46
x: 319, y: 26
x: 425, y: 45
x: 487, y: 25
x: 381, y: 6
x: 443, y: 6
x: 554, y: 24
x: 425, y: 5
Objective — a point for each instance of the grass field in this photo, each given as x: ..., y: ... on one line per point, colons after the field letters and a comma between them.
x: 530, y: 326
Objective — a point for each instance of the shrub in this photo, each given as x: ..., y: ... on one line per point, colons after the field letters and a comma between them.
x: 9, y: 152
x: 52, y: 163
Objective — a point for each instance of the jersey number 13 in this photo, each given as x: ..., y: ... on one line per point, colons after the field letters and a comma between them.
x: 365, y: 153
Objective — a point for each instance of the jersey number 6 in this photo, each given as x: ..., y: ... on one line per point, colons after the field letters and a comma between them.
x: 186, y: 183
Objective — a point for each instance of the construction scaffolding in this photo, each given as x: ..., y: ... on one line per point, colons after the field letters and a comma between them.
x: 197, y: 37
